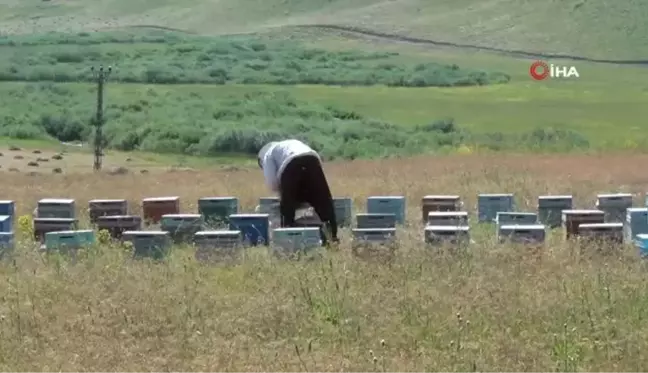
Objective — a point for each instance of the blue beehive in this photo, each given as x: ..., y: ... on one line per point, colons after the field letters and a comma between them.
x: 292, y: 240
x: 149, y: 244
x: 8, y: 208
x: 550, y: 209
x: 636, y: 222
x: 374, y: 235
x: 181, y: 227
x: 6, y: 243
x: 512, y: 218
x: 5, y: 223
x: 56, y: 208
x: 366, y: 221
x: 343, y: 211
x: 254, y: 227
x: 641, y: 242
x: 488, y: 205
x: 69, y: 239
x: 387, y: 205
x: 216, y: 210
x: 445, y: 234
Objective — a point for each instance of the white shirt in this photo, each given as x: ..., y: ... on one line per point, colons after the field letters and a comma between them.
x: 276, y: 157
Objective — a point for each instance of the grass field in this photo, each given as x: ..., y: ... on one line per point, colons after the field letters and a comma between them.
x: 519, y: 310
x: 592, y: 28
x: 417, y: 85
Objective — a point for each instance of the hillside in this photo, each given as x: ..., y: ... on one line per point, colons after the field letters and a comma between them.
x: 593, y: 28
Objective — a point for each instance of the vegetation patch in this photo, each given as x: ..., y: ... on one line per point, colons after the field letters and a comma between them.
x: 170, y: 121
x: 172, y: 58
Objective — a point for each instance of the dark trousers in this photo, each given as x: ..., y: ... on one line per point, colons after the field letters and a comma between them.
x: 303, y: 181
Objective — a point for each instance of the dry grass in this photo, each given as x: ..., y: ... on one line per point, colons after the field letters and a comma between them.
x: 493, y: 308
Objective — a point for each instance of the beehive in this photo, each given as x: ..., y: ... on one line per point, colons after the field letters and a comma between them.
x: 387, y: 205
x: 439, y: 204
x: 5, y: 223
x: 641, y: 242
x: 216, y: 245
x: 550, y: 209
x: 181, y: 227
x: 56, y: 208
x: 154, y: 208
x: 46, y: 225
x: 343, y: 211
x: 8, y: 208
x: 292, y: 240
x: 374, y: 235
x: 106, y: 207
x: 66, y: 240
x: 254, y: 227
x: 116, y: 225
x: 534, y: 234
x: 436, y: 235
x: 488, y: 205
x: 216, y: 210
x: 609, y: 233
x: 614, y: 206
x: 366, y: 221
x: 447, y: 218
x: 636, y: 222
x: 149, y: 244
x: 571, y: 219
x: 512, y: 218
x: 6, y: 243
x: 270, y: 206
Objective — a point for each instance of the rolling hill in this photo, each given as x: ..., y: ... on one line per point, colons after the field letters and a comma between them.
x: 601, y: 29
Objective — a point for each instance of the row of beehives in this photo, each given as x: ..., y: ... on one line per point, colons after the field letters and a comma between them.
x: 613, y: 219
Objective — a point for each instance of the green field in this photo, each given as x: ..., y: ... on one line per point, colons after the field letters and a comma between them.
x: 592, y: 28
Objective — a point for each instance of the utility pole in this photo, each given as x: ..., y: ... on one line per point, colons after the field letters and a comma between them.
x: 101, y: 75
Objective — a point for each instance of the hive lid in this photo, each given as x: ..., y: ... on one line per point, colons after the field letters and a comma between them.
x: 249, y: 216
x: 556, y: 197
x: 439, y: 196
x: 386, y: 197
x: 583, y: 212
x: 217, y: 233
x: 6, y: 201
x: 520, y: 213
x: 181, y: 216
x: 160, y: 199
x: 145, y: 233
x: 495, y: 195
x: 55, y: 200
x: 374, y: 230
x: 600, y: 225
x: 447, y: 213
x: 217, y: 198
x: 446, y: 228
x: 70, y: 232
x: 614, y: 195
x: 107, y: 201
x: 297, y: 229
x: 522, y: 227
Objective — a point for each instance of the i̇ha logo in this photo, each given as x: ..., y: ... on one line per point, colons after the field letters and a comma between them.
x: 541, y: 70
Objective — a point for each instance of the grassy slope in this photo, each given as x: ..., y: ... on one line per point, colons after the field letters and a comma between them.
x: 594, y: 28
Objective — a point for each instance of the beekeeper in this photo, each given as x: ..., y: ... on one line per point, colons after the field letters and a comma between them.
x: 294, y: 171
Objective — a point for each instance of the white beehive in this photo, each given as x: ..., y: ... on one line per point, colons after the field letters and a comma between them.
x: 447, y: 218
x: 636, y: 222
x: 374, y: 235
x: 216, y: 245
x: 56, y: 208
x: 292, y: 240
x: 550, y: 209
x: 436, y: 235
x: 534, y: 234
x: 512, y: 218
x: 367, y: 221
x: 614, y: 206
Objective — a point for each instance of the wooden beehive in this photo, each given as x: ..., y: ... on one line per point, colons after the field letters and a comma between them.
x: 154, y: 208
x: 572, y: 219
x: 439, y: 204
